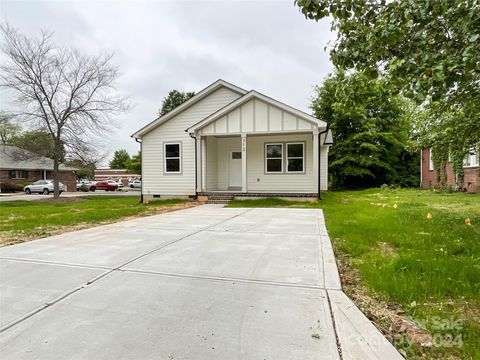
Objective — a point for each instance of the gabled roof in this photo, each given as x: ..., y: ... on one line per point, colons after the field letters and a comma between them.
x: 14, y: 158
x: 255, y: 95
x: 196, y: 98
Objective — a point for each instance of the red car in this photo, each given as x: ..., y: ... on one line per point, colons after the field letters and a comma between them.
x: 109, y: 185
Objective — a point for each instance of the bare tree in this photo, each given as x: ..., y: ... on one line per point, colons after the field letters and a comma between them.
x: 60, y: 90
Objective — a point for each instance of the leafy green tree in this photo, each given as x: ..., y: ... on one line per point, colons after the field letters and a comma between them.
x: 134, y: 165
x: 371, y: 128
x: 429, y: 49
x: 8, y: 130
x: 120, y: 159
x: 39, y: 143
x: 174, y: 99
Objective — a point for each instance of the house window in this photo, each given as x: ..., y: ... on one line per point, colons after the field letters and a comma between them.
x: 236, y: 155
x: 18, y: 174
x: 430, y: 160
x: 471, y: 159
x: 172, y: 155
x: 295, y: 157
x: 274, y: 158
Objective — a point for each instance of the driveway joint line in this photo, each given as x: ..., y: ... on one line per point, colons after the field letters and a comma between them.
x: 89, y: 282
x: 52, y: 302
x: 322, y: 259
x: 227, y: 279
x: 260, y: 232
x: 177, y: 240
x: 33, y: 261
x: 334, y: 325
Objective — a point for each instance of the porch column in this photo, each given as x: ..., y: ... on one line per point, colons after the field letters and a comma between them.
x: 198, y: 141
x: 315, y: 160
x: 244, y: 162
x: 204, y: 164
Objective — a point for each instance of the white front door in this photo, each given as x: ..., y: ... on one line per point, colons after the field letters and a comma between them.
x: 235, y: 168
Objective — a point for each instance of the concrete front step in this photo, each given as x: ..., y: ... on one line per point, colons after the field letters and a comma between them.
x: 217, y: 201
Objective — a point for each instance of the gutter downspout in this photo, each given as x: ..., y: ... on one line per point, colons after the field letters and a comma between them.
x: 195, y: 164
x: 320, y: 160
x: 141, y: 170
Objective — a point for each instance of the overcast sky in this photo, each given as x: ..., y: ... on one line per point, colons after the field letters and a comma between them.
x: 268, y: 46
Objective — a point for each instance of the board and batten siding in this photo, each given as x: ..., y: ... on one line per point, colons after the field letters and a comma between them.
x: 259, y: 181
x: 155, y: 181
x: 256, y: 116
x: 218, y: 155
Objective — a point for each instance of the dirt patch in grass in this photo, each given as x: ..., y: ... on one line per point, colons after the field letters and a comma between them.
x: 60, y: 200
x: 387, y: 249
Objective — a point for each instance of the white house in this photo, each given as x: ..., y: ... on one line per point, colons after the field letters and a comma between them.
x: 227, y: 142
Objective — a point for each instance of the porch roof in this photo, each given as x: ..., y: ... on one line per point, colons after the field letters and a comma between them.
x: 256, y: 113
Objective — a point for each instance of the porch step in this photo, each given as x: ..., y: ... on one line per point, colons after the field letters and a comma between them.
x: 217, y: 201
x: 219, y: 198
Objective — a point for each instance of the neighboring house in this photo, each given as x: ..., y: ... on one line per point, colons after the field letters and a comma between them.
x: 18, y: 166
x: 114, y: 174
x: 236, y: 142
x: 471, y: 169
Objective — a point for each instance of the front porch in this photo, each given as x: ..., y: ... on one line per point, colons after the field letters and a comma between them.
x: 257, y: 145
x: 260, y: 165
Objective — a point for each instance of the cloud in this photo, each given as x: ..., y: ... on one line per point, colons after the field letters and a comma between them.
x: 161, y: 45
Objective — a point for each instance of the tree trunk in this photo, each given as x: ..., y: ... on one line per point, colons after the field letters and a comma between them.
x: 56, y: 163
x: 443, y: 174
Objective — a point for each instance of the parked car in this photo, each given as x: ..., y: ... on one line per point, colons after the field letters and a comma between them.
x: 44, y: 187
x: 109, y: 185
x: 135, y: 184
x: 81, y: 183
x: 119, y: 183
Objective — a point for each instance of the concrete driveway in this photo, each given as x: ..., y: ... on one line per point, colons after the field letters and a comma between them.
x: 202, y: 283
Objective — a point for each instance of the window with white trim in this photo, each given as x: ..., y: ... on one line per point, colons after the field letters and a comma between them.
x: 172, y: 155
x: 18, y: 174
x: 295, y: 157
x: 471, y: 159
x: 430, y: 160
x: 273, y: 158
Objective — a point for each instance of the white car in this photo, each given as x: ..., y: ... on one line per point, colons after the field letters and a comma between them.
x: 44, y: 187
x: 135, y: 184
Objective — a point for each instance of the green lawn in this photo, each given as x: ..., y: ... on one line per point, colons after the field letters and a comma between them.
x: 427, y: 268
x: 25, y: 220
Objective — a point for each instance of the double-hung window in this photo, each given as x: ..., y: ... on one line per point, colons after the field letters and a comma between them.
x: 173, y: 158
x: 18, y: 174
x: 273, y: 158
x: 295, y: 157
x: 472, y: 158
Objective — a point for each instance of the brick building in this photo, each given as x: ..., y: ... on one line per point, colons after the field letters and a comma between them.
x: 471, y: 168
x: 21, y: 167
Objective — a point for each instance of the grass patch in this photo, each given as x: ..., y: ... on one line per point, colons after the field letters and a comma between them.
x: 25, y: 220
x: 429, y: 268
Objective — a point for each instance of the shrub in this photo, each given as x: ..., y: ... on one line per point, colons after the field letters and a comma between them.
x: 384, y: 187
x: 19, y: 187
x: 7, y: 188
